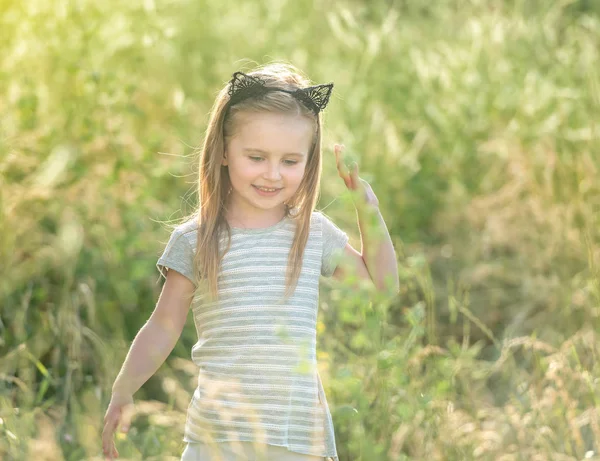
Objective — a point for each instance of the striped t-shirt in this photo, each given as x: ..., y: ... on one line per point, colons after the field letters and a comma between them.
x: 258, y: 377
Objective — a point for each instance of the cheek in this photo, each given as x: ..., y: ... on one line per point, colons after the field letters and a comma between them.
x: 243, y: 171
x: 296, y: 175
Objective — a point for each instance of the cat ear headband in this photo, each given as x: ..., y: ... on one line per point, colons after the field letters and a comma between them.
x: 243, y: 86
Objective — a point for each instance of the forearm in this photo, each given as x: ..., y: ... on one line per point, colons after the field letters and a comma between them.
x: 377, y: 249
x: 150, y: 348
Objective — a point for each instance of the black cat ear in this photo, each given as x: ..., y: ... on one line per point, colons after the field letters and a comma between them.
x: 242, y: 86
x: 242, y: 83
x: 317, y: 96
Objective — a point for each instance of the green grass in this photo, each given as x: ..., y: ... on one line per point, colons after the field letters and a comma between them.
x: 477, y: 124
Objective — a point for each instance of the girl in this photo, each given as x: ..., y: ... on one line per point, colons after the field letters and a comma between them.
x: 248, y: 263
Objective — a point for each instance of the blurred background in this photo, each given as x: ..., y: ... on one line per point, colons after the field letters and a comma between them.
x: 477, y: 123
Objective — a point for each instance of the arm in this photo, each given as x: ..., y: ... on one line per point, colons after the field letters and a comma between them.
x: 377, y: 260
x: 150, y: 348
x: 157, y: 338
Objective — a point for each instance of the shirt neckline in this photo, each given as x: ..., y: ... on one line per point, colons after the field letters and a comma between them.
x: 259, y: 230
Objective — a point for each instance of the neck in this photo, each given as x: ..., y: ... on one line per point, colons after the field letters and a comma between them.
x: 253, y: 219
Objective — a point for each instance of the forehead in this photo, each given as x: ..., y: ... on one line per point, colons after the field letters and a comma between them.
x: 274, y: 132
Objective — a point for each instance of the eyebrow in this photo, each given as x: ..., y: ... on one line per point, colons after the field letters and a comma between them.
x: 267, y: 153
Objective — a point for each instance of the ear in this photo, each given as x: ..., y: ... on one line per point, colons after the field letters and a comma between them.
x: 224, y: 162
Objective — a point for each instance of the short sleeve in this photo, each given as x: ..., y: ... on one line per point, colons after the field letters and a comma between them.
x: 178, y: 255
x: 334, y: 242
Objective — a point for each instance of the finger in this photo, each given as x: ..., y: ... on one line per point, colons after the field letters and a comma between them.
x: 344, y: 175
x: 107, y: 433
x: 337, y: 162
x: 339, y: 155
x: 347, y: 179
x: 112, y: 454
x: 126, y: 417
x: 354, y: 175
x: 108, y: 448
x: 110, y: 411
x: 336, y: 152
x: 111, y: 451
x: 111, y: 421
x: 342, y: 168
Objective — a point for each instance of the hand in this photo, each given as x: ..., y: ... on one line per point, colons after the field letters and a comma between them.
x: 119, y: 412
x: 362, y: 193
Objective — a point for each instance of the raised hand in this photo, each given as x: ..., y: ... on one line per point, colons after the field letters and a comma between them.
x: 362, y: 193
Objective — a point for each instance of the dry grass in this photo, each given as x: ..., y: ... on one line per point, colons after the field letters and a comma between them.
x: 477, y: 124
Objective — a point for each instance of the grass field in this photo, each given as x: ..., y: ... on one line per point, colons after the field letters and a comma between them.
x: 476, y: 122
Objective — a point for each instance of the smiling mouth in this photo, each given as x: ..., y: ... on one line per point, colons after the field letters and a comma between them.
x: 267, y: 189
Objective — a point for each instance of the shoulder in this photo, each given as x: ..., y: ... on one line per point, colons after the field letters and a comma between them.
x: 188, y: 226
x: 318, y: 218
x: 316, y: 223
x: 323, y: 223
x: 327, y: 231
x: 187, y: 230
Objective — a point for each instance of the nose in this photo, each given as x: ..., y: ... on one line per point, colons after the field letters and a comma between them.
x: 272, y: 173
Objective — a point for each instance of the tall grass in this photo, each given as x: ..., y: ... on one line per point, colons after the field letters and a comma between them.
x: 477, y: 123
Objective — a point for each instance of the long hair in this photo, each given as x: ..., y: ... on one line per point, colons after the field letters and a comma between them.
x: 214, y: 184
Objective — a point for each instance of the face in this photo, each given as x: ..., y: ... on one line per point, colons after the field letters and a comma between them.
x: 268, y: 151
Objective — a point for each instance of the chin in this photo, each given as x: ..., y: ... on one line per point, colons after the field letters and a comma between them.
x: 270, y: 206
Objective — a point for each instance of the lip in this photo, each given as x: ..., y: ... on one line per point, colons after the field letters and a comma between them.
x: 262, y: 193
x: 276, y: 188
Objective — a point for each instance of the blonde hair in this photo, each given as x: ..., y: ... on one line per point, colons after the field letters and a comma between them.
x: 214, y: 183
